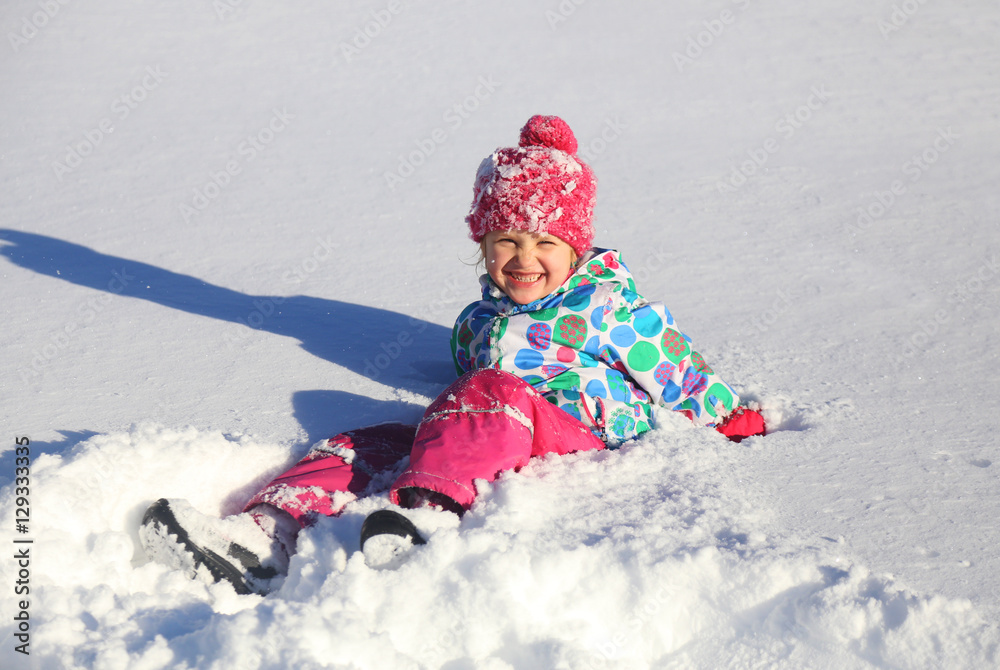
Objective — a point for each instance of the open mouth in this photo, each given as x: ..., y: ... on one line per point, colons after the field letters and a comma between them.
x: 522, y: 278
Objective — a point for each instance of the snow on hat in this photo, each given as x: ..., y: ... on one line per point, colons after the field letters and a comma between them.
x: 540, y: 187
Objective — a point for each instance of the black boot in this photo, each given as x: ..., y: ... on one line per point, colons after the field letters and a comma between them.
x: 235, y: 549
x: 413, y: 497
x: 389, y: 536
x: 388, y: 522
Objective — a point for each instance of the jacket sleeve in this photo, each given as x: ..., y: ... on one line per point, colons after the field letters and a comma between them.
x: 461, y: 338
x: 642, y: 340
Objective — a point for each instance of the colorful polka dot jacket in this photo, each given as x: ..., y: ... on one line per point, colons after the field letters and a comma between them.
x: 596, y: 349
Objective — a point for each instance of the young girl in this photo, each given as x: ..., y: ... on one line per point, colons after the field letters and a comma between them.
x: 561, y: 354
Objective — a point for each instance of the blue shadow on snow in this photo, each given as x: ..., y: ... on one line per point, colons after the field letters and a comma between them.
x: 363, y: 339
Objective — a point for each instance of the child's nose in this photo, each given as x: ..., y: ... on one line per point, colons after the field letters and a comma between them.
x: 526, y: 255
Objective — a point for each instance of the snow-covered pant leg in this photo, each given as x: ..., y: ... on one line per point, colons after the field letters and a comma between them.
x: 336, y: 471
x: 486, y: 422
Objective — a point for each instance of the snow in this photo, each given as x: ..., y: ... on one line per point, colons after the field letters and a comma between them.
x: 206, y: 268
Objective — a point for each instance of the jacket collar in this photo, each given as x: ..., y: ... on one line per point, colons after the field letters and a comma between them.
x: 589, y: 270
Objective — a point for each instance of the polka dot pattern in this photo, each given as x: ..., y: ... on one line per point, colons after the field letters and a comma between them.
x: 595, y: 348
x: 540, y: 336
x: 570, y: 330
x: 675, y: 347
x: 528, y: 359
x: 622, y: 336
x: 664, y: 372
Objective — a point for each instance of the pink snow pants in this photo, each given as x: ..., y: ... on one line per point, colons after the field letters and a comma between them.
x: 486, y: 422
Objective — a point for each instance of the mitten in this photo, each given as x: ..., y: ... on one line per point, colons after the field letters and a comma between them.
x: 742, y: 423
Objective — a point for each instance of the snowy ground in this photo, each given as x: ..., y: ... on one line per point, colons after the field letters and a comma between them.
x: 231, y: 229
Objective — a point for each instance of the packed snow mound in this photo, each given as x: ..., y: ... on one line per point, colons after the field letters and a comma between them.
x: 655, y: 555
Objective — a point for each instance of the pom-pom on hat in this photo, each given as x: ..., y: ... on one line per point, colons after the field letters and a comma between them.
x: 540, y: 187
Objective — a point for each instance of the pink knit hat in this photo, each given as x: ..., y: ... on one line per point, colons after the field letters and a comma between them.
x: 539, y: 186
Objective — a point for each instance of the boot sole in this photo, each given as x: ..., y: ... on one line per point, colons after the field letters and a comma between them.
x: 388, y: 522
x: 160, y: 516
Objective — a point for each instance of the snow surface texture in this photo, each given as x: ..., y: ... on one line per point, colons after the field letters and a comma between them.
x: 238, y: 226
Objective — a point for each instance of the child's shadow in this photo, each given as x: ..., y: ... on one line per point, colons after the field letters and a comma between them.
x: 395, y: 349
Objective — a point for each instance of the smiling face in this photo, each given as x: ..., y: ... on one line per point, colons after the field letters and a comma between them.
x: 527, y: 266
